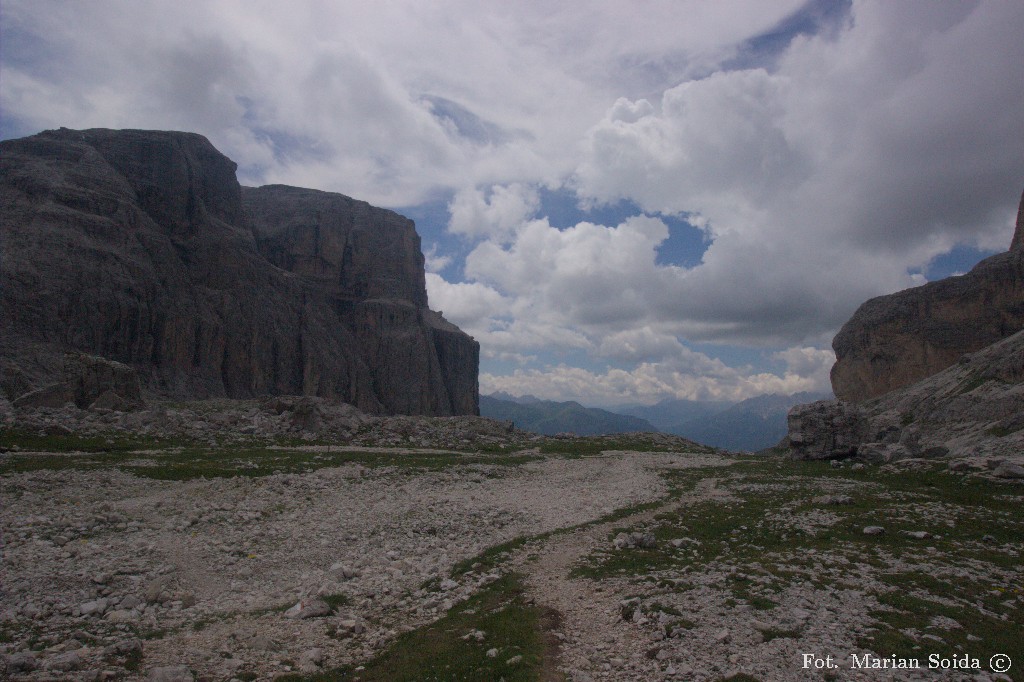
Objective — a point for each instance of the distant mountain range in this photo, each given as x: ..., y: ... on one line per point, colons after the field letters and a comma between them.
x: 550, y: 418
x: 752, y: 424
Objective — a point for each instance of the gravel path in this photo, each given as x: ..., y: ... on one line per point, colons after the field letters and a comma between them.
x: 199, y: 573
x: 593, y: 634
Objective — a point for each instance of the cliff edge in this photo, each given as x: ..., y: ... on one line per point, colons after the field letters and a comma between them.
x: 896, y: 340
x: 141, y: 247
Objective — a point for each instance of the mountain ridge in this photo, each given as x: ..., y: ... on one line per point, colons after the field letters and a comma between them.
x: 142, y: 248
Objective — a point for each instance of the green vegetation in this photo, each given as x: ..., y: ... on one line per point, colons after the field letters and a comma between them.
x: 974, y: 381
x: 448, y: 649
x: 944, y: 575
x: 35, y: 441
x: 186, y: 463
x: 771, y: 534
x: 336, y: 600
x: 594, y: 445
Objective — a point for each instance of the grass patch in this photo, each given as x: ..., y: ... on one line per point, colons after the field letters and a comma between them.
x: 490, y: 558
x: 965, y: 608
x: 584, y: 446
x: 36, y: 441
x: 772, y: 535
x: 183, y: 464
x: 1003, y: 431
x: 440, y: 652
x: 336, y: 600
x: 974, y: 381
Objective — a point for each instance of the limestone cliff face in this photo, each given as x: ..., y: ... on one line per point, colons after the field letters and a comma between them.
x: 893, y: 341
x: 142, y: 248
x: 972, y: 409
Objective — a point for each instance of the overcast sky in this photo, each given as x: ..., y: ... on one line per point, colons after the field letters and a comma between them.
x: 622, y: 201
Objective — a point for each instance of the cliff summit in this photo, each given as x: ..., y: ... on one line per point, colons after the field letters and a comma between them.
x: 142, y: 248
x: 896, y: 340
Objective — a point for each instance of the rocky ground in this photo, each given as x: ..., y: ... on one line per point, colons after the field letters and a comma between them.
x: 628, y: 558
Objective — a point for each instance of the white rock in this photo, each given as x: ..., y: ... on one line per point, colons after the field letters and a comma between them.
x: 308, y: 608
x: 97, y: 606
x: 171, y: 673
x: 122, y: 616
x: 65, y: 662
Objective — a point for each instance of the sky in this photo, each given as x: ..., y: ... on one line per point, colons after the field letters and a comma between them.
x: 623, y: 202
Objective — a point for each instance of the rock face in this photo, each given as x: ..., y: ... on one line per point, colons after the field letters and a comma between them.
x: 141, y: 247
x: 893, y: 341
x: 88, y: 381
x: 974, y: 408
x: 827, y: 429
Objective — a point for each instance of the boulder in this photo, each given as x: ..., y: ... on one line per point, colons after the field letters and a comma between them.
x: 88, y: 381
x: 827, y: 429
x: 170, y: 673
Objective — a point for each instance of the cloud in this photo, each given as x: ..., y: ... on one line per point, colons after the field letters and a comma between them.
x: 466, y: 304
x: 496, y: 214
x: 808, y: 363
x: 694, y: 377
x: 823, y: 181
x: 826, y: 155
x: 389, y: 102
x: 436, y: 262
x: 643, y: 344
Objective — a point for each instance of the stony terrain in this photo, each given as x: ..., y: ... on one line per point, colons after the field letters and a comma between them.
x: 465, y: 549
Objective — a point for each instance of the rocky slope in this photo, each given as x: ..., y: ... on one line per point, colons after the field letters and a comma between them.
x: 141, y: 247
x: 972, y: 412
x: 893, y: 341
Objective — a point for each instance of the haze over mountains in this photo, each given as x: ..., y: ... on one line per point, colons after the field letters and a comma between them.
x: 752, y: 424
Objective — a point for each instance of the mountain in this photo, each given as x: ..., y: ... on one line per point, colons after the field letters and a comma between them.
x: 669, y: 415
x: 550, y: 418
x: 520, y: 399
x: 896, y: 340
x: 752, y: 424
x: 933, y: 371
x: 141, y: 248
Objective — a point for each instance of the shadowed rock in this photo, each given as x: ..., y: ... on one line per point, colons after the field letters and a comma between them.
x: 142, y: 248
x: 893, y: 341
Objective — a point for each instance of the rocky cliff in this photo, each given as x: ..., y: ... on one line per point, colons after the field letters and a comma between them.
x: 142, y: 248
x: 893, y: 341
x: 972, y: 409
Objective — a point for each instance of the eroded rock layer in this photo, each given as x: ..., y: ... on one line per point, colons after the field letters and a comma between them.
x: 972, y: 409
x: 141, y: 247
x: 894, y: 341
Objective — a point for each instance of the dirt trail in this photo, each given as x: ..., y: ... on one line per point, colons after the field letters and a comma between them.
x: 593, y: 635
